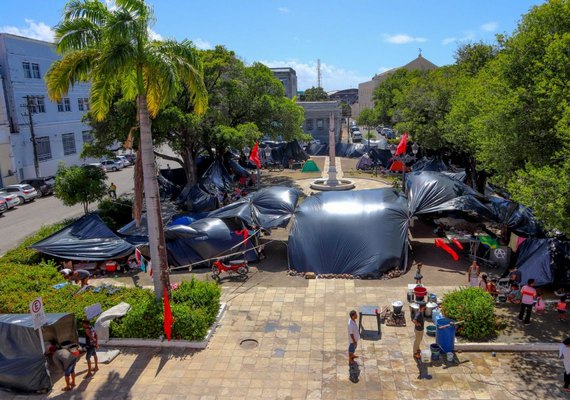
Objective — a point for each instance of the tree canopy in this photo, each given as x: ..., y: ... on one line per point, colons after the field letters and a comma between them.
x: 79, y: 185
x: 315, y: 94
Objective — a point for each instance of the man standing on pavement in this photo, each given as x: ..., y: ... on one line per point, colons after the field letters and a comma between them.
x: 353, y: 336
x: 528, y: 293
x: 91, y: 346
x: 418, y: 321
x: 565, y: 354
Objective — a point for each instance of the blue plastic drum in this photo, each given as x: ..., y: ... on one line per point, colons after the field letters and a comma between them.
x: 445, y: 337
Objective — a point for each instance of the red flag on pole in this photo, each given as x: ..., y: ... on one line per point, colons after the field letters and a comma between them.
x: 254, y: 155
x: 401, y: 149
x: 168, y: 319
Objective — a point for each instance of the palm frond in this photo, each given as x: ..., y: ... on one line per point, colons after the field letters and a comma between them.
x: 103, y: 89
x: 125, y: 26
x: 137, y: 7
x: 76, y: 34
x: 74, y: 67
x: 162, y: 82
x: 91, y: 10
x: 129, y: 84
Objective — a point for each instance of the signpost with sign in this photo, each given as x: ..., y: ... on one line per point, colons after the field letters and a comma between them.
x: 39, y: 318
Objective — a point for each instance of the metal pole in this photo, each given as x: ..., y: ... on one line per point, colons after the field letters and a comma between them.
x: 404, y: 173
x: 29, y: 105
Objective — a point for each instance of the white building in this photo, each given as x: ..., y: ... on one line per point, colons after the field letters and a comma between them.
x: 57, y: 127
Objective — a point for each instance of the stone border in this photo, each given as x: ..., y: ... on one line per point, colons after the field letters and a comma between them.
x: 134, y: 342
x: 506, y: 347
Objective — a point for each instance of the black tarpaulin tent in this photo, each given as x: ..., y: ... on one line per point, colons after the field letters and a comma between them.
x: 518, y: 218
x: 22, y: 363
x: 547, y: 261
x: 88, y: 238
x: 197, y: 199
x: 268, y: 208
x: 359, y: 232
x: 429, y: 164
x: 283, y: 152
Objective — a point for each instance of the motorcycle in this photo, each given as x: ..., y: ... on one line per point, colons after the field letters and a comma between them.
x: 234, y: 266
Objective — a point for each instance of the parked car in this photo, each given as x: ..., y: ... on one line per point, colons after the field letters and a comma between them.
x: 24, y: 192
x: 11, y: 200
x: 96, y: 164
x: 132, y: 158
x: 123, y: 160
x: 44, y: 186
x: 3, y: 206
x: 356, y: 136
x: 111, y: 165
x: 388, y: 133
x: 354, y: 128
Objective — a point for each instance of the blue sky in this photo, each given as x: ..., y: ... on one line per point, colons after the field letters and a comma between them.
x: 353, y: 39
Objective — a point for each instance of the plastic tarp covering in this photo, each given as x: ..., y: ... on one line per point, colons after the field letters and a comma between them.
x: 238, y: 169
x: 198, y: 198
x: 359, y: 232
x: 350, y: 150
x: 139, y: 235
x: 534, y: 261
x: 22, y: 363
x: 204, y: 239
x: 430, y: 192
x: 460, y: 175
x: 364, y: 162
x: 518, y: 218
x: 215, y: 179
x: 269, y: 207
x: 429, y: 164
x: 283, y: 152
x: 88, y: 238
x: 168, y: 190
x: 380, y: 156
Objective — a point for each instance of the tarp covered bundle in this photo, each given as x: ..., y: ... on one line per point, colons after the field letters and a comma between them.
x: 197, y: 199
x: 284, y: 152
x: 267, y: 208
x: 364, y: 162
x: 544, y: 260
x: 22, y: 363
x: 380, y: 156
x: 518, y: 218
x: 88, y: 238
x: 361, y: 232
x: 429, y: 164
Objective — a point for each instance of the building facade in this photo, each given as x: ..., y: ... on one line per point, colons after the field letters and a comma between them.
x: 317, y: 117
x: 349, y: 96
x: 56, y: 126
x: 288, y: 78
x: 366, y: 89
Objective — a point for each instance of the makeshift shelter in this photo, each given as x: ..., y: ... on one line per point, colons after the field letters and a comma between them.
x: 268, y: 208
x: 429, y: 164
x: 88, y: 239
x: 310, y: 166
x: 283, y: 152
x: 216, y: 178
x: 519, y: 219
x: 359, y: 232
x: 397, y: 166
x: 364, y: 162
x: 23, y: 366
x: 380, y: 156
x: 547, y: 261
x: 197, y: 199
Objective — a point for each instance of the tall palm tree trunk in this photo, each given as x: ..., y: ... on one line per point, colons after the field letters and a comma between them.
x: 154, y: 219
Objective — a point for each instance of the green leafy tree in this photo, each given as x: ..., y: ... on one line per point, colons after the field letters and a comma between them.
x: 368, y: 118
x: 315, y: 94
x: 388, y: 92
x: 79, y: 184
x: 112, y: 49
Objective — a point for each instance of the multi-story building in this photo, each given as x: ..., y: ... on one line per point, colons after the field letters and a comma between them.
x: 366, y: 89
x: 288, y: 78
x: 317, y: 117
x: 7, y: 176
x: 27, y: 111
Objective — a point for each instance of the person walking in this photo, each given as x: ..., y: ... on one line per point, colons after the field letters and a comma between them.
x: 113, y: 190
x: 473, y: 274
x: 353, y: 337
x: 91, y: 346
x: 418, y: 321
x: 528, y: 295
x: 565, y: 354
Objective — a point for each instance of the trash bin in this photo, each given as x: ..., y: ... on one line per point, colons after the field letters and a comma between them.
x: 445, y: 334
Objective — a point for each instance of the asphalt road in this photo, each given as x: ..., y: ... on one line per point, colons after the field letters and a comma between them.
x: 25, y: 219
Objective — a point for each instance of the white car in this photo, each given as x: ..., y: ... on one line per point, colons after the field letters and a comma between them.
x: 112, y: 165
x: 11, y: 200
x: 124, y: 160
x: 24, y: 192
x: 356, y: 136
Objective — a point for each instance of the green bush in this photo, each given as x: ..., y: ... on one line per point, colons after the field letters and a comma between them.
x: 199, y: 294
x: 189, y: 323
x: 144, y: 320
x: 116, y: 213
x: 473, y: 306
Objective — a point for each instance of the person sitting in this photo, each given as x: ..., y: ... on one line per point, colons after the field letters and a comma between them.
x: 514, y: 295
x: 492, y: 288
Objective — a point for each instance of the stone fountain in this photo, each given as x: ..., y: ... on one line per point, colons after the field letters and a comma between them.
x: 331, y: 182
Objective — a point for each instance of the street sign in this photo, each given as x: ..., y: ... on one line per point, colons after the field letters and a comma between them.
x: 38, y: 314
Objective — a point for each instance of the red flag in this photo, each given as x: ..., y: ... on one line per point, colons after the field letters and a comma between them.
x: 401, y: 149
x: 138, y: 256
x: 254, y: 155
x: 168, y: 319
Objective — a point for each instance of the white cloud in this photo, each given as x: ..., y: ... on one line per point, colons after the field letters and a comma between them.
x: 381, y: 70
x: 332, y: 77
x: 402, y: 38
x: 447, y: 41
x: 202, y: 44
x: 467, y: 37
x: 33, y: 29
x: 153, y: 35
x: 489, y: 27
x: 283, y: 10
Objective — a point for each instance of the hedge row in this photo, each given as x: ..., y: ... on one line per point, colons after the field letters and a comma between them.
x: 25, y: 275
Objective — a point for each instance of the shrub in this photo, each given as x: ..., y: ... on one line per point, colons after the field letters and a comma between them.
x: 473, y: 306
x: 189, y: 323
x: 116, y: 213
x: 144, y: 320
x: 199, y: 294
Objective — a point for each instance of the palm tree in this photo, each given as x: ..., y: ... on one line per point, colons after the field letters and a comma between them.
x: 113, y: 49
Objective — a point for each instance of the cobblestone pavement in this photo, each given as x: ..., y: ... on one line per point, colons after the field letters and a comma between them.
x: 302, y: 353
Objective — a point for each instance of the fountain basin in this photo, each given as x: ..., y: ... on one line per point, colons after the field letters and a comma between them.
x: 336, y: 185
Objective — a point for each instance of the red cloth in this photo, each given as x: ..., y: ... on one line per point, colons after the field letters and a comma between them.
x: 168, y: 319
x: 456, y: 243
x: 401, y: 149
x: 244, y: 233
x: 442, y: 245
x: 254, y: 155
x: 138, y: 257
x: 397, y: 166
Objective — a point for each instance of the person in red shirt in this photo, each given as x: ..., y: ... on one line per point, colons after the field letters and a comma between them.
x: 561, y: 308
x: 528, y: 295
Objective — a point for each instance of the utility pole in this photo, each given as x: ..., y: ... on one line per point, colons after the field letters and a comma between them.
x: 30, y: 105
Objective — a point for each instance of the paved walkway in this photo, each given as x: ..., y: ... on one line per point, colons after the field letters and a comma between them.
x: 301, y: 353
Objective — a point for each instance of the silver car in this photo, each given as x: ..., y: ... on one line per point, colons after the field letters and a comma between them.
x: 111, y: 165
x: 24, y: 192
x: 11, y: 200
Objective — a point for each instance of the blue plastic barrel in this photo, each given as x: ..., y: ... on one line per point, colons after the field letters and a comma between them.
x: 445, y: 337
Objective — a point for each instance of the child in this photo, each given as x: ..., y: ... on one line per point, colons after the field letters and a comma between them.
x: 561, y: 307
x: 492, y: 288
x: 91, y: 346
x: 514, y: 295
x: 539, y: 305
x: 419, y: 275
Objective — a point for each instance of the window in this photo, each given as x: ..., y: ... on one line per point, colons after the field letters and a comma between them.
x: 87, y: 137
x: 68, y: 140
x: 43, y: 148
x: 31, y: 70
x: 37, y: 104
x: 309, y: 124
x: 27, y: 70
x: 320, y: 124
x: 63, y: 105
x: 83, y: 104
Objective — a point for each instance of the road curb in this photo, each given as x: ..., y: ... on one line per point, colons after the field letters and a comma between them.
x: 507, y: 347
